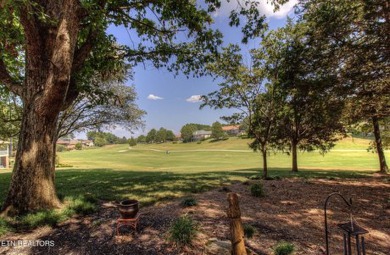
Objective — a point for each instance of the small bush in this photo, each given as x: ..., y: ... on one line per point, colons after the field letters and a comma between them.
x: 78, y: 146
x: 60, y: 148
x: 283, y: 248
x: 257, y: 190
x: 249, y: 231
x: 189, y: 201
x: 183, y: 230
x: 132, y: 142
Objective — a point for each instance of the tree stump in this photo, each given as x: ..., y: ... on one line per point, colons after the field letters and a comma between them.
x: 236, y: 229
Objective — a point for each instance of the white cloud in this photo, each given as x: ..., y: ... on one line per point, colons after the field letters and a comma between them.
x: 283, y: 11
x: 193, y: 99
x: 265, y: 8
x: 153, y: 97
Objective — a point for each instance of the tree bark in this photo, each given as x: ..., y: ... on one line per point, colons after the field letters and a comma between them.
x: 236, y: 229
x: 32, y: 185
x: 49, y: 56
x: 379, y: 148
x: 265, y: 165
x: 294, y: 148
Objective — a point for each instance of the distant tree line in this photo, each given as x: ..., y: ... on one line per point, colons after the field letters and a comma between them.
x: 157, y: 136
x: 104, y: 138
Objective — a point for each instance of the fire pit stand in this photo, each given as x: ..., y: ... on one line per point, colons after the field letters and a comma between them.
x: 132, y: 222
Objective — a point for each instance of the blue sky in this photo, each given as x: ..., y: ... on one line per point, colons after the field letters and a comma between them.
x: 169, y: 101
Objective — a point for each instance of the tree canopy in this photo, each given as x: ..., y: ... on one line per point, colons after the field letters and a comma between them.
x: 113, y: 106
x: 352, y: 40
x: 51, y: 49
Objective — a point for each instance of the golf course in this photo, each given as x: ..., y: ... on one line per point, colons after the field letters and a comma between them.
x: 153, y: 172
x: 164, y: 177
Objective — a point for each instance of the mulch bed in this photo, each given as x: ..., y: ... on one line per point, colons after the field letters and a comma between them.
x: 292, y: 210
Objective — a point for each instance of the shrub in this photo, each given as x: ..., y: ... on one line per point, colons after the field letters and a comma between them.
x: 257, y: 190
x: 132, y: 142
x: 78, y: 146
x: 60, y: 148
x: 283, y: 248
x: 249, y: 231
x: 189, y: 201
x: 183, y: 230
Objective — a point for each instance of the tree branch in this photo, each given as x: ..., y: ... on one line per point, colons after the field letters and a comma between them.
x: 83, y: 51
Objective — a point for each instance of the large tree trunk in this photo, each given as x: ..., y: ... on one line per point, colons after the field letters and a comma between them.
x: 32, y: 185
x: 294, y: 150
x: 50, y: 48
x: 378, y: 142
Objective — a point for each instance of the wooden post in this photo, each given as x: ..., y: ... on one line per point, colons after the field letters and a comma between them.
x: 236, y: 229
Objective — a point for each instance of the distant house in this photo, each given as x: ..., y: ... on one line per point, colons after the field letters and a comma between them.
x: 201, y: 134
x: 87, y: 143
x: 4, y: 154
x: 232, y: 130
x: 70, y: 144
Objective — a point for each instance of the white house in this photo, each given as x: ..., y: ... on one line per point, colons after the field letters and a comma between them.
x: 4, y: 154
x: 201, y: 134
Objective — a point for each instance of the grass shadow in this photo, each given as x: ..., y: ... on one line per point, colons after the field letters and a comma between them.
x: 150, y: 187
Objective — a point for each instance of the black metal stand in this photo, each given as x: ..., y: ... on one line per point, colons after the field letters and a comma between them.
x: 350, y: 230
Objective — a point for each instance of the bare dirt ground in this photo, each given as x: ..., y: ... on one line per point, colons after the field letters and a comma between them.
x: 292, y: 210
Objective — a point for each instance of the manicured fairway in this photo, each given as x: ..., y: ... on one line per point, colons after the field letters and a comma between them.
x: 230, y: 155
x: 152, y: 173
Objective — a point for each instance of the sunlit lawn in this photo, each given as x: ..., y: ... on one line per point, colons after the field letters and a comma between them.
x: 150, y: 174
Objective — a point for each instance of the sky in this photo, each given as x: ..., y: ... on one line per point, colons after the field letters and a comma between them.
x: 171, y: 102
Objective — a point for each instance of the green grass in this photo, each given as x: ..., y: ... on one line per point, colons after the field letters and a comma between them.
x: 257, y: 190
x: 249, y: 230
x: 81, y: 205
x: 284, y: 248
x: 5, y: 226
x: 147, y: 173
x: 183, y: 230
x: 231, y: 154
x: 189, y: 201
